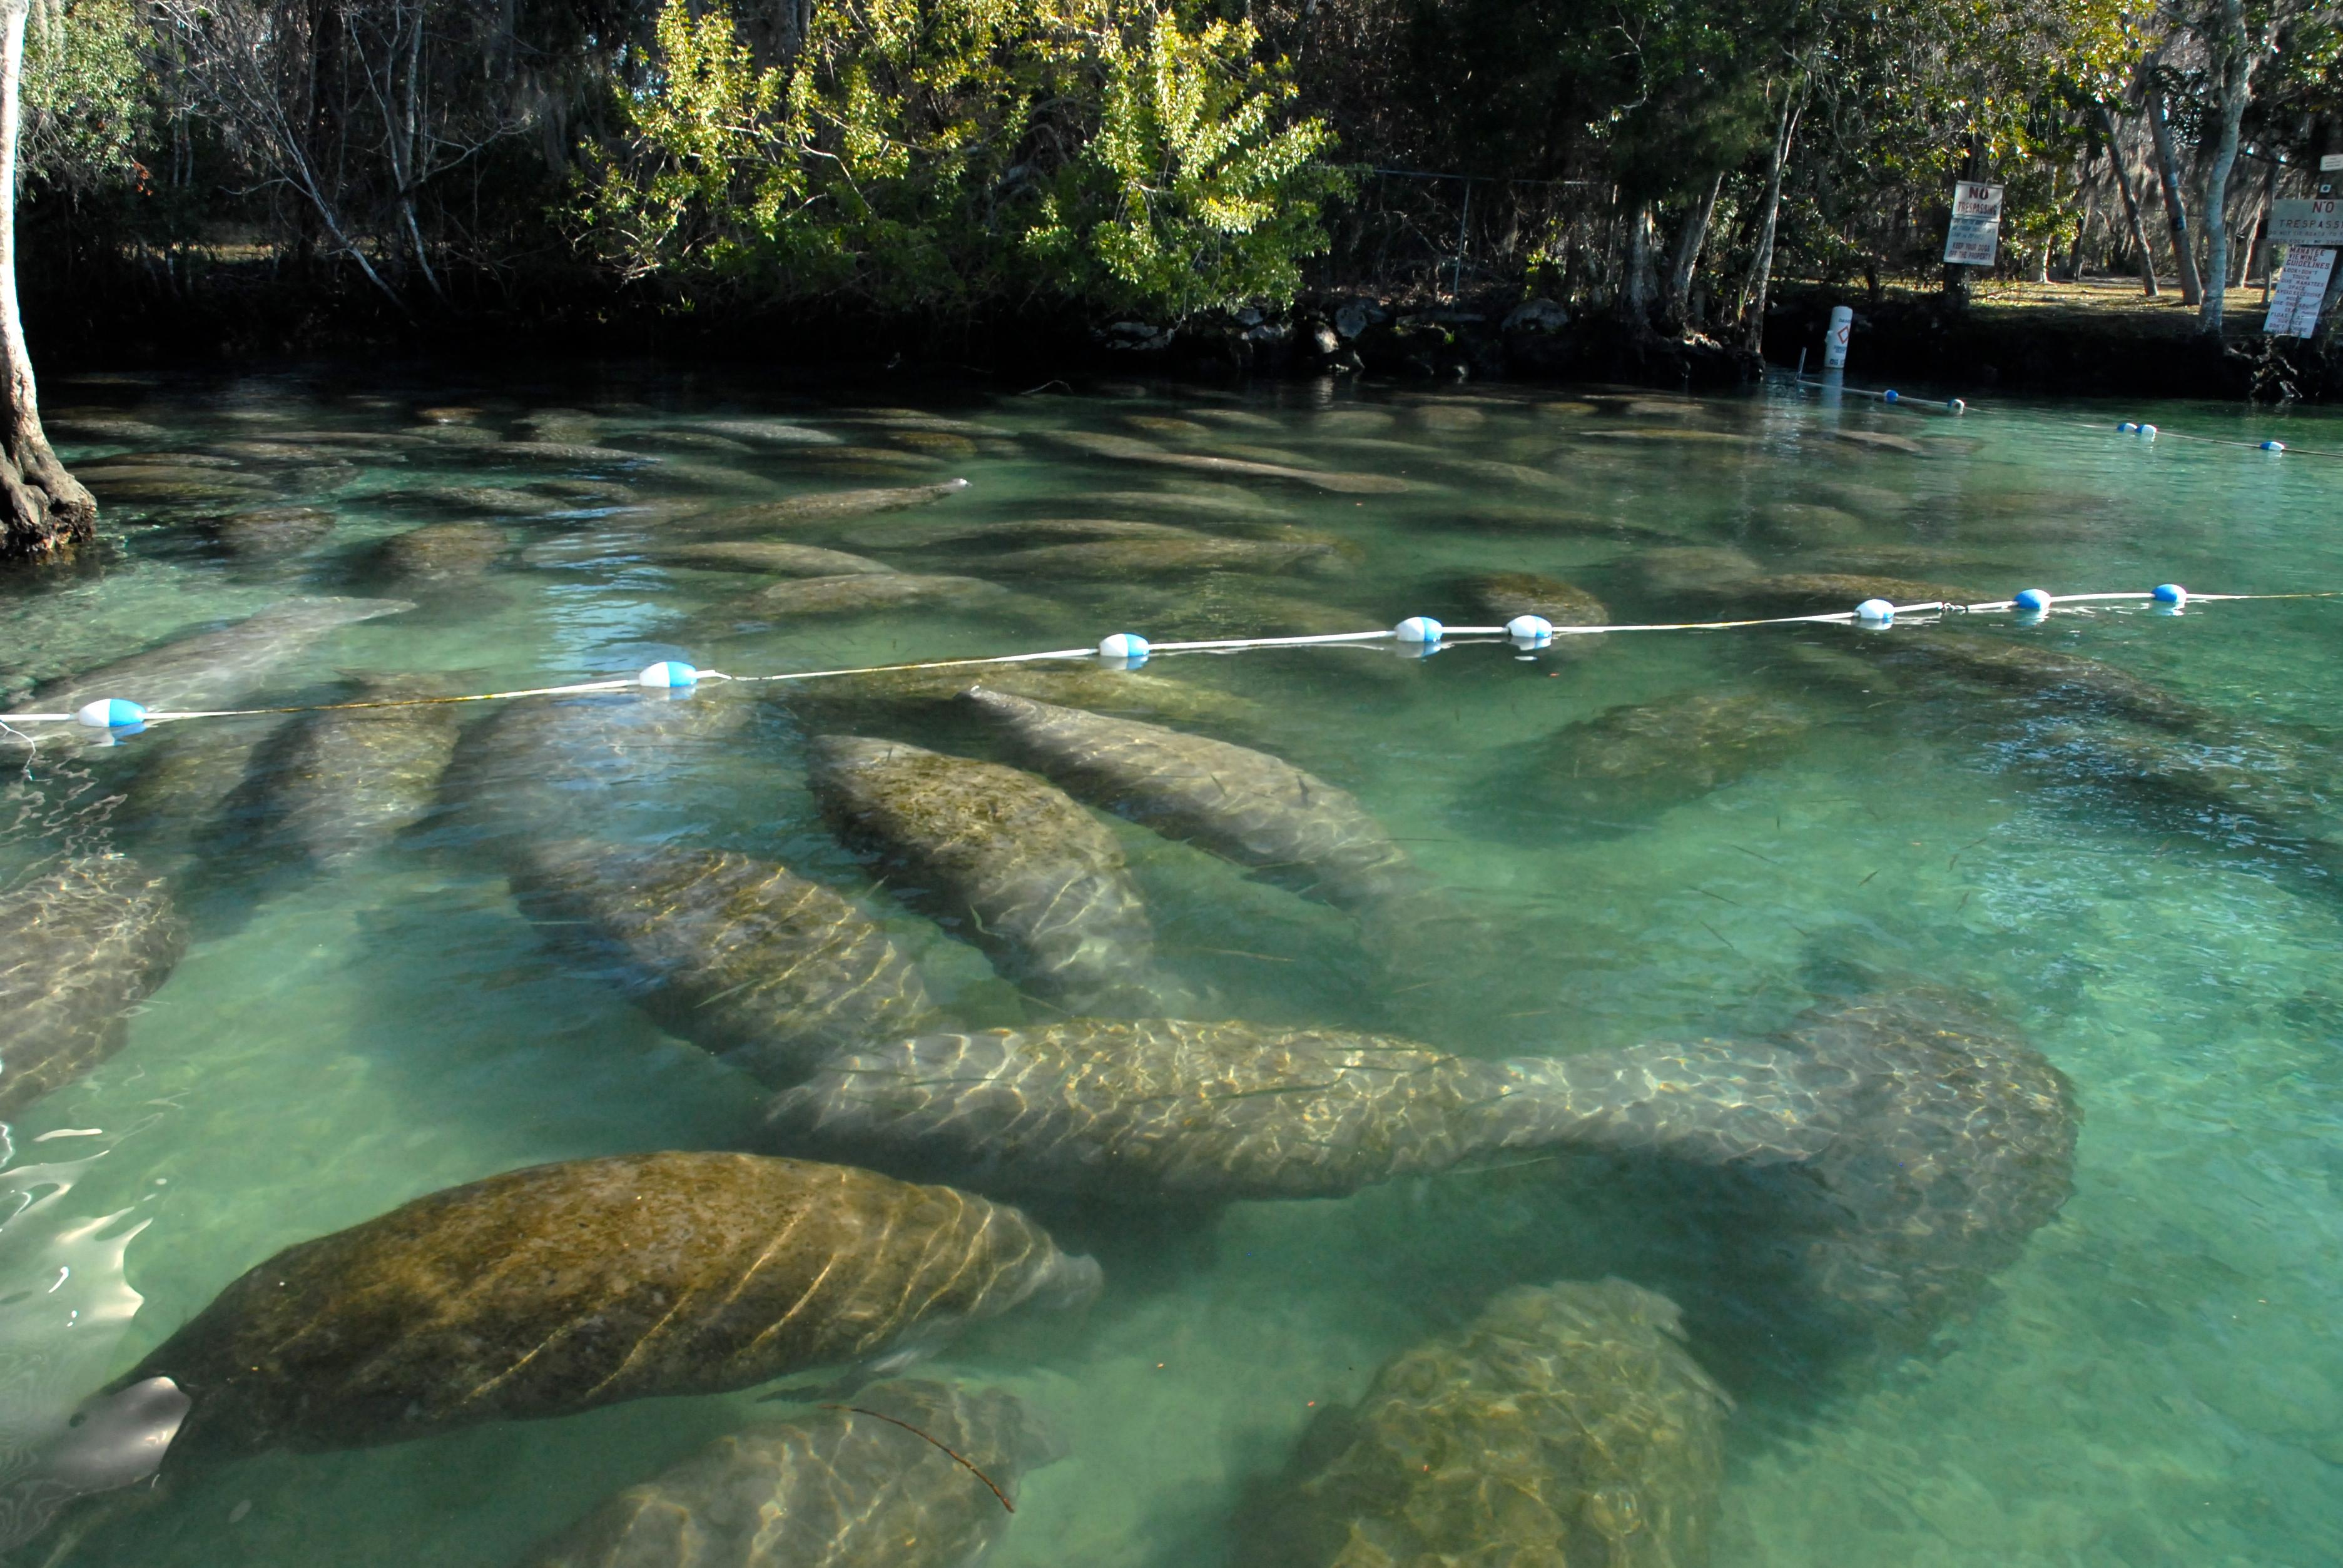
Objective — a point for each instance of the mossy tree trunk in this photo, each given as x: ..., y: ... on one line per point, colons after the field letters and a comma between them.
x: 43, y: 511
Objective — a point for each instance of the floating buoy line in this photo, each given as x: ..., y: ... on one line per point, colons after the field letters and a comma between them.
x: 2133, y: 428
x: 1421, y: 636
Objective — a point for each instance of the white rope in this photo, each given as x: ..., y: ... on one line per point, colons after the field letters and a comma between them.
x: 1215, y: 645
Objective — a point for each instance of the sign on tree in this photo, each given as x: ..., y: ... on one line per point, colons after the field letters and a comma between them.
x: 1974, y: 239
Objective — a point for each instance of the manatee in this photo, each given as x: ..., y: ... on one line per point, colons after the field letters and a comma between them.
x: 216, y: 668
x: 81, y: 942
x: 917, y: 419
x: 1165, y: 1109
x: 830, y: 506
x: 1881, y: 441
x: 1639, y: 758
x: 875, y: 461
x: 861, y: 593
x: 1019, y: 868
x: 1822, y: 593
x: 443, y: 550
x: 253, y: 531
x: 1126, y: 448
x: 934, y: 443
x: 925, y: 534
x: 914, y: 695
x: 499, y: 500
x: 1165, y: 424
x: 689, y: 440
x: 565, y: 1287
x: 769, y: 556
x: 1238, y: 418
x: 1485, y: 469
x: 1674, y: 573
x: 171, y: 488
x: 1289, y: 826
x: 768, y: 432
x: 563, y: 452
x: 1354, y: 421
x: 1500, y: 595
x: 331, y: 784
x: 1112, y: 559
x: 2054, y: 676
x: 1670, y: 437
x: 72, y: 425
x: 1807, y: 524
x: 763, y: 969
x: 1567, y: 1424
x: 839, y: 1486
x: 1203, y: 501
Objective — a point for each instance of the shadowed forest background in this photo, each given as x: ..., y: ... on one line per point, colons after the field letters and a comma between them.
x: 274, y: 175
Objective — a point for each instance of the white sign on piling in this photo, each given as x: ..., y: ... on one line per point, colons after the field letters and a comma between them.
x: 1842, y: 324
x: 2299, y: 291
x: 1974, y: 237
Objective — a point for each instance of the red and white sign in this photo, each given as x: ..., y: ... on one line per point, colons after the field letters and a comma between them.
x: 1974, y: 237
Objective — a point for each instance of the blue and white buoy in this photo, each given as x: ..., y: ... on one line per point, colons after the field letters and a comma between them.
x: 1418, y: 628
x: 110, y: 713
x: 1123, y: 650
x: 667, y: 674
x: 1530, y: 631
x: 2273, y: 446
x: 1875, y: 612
x: 2127, y: 428
x: 2147, y: 432
x: 2170, y: 596
x: 2033, y: 600
x: 1889, y: 396
x: 1957, y: 405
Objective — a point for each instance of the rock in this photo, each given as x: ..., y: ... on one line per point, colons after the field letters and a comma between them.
x: 1326, y: 341
x: 845, y: 1488
x: 1018, y: 867
x: 81, y: 943
x: 1565, y: 1426
x: 1539, y: 315
x: 1352, y: 319
x: 861, y: 593
x: 763, y: 969
x: 565, y: 1287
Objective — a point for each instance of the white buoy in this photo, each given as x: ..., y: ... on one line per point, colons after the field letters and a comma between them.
x: 1533, y: 629
x: 2147, y: 432
x: 1876, y: 612
x: 1841, y: 326
x: 667, y: 674
x: 110, y: 713
x: 1123, y: 644
x: 1418, y: 628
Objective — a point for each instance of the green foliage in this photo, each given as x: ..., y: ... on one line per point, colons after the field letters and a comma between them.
x: 84, y: 92
x: 939, y: 153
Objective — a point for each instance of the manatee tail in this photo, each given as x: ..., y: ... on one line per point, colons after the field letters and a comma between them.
x: 1712, y: 1102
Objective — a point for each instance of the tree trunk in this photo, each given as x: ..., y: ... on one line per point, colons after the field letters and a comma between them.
x: 1636, y: 290
x: 1755, y: 287
x: 2167, y: 169
x: 43, y: 511
x: 2235, y: 58
x: 2131, y: 203
x: 1676, y: 307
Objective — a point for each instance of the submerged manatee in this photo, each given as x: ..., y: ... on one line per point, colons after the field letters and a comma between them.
x: 333, y: 784
x: 1131, y: 450
x: 1639, y: 758
x: 830, y: 506
x: 81, y: 943
x: 258, y: 531
x: 1822, y: 593
x: 771, y: 556
x: 1040, y: 884
x: 1499, y: 597
x: 1165, y: 1109
x: 1114, y: 559
x: 837, y: 1487
x: 1566, y: 1426
x: 861, y: 593
x: 217, y: 668
x: 924, y: 696
x: 444, y: 550
x: 559, y: 1288
x: 1292, y: 827
x: 2048, y: 675
x: 766, y: 970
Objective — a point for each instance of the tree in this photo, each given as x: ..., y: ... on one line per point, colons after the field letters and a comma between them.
x: 43, y: 511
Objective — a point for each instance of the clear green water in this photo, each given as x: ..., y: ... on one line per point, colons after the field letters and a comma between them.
x: 2159, y: 1379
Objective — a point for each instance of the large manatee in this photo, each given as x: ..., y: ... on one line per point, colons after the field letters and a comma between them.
x: 862, y: 593
x: 1035, y: 880
x: 828, y: 506
x: 904, y: 1478
x: 1113, y: 560
x: 2052, y: 676
x: 1641, y: 758
x: 1126, y: 448
x: 1289, y: 826
x: 81, y: 943
x: 926, y: 696
x: 1566, y: 1426
x: 1168, y: 1110
x: 776, y: 557
x: 764, y: 969
x: 216, y: 668
x: 559, y: 1288
x: 333, y: 784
